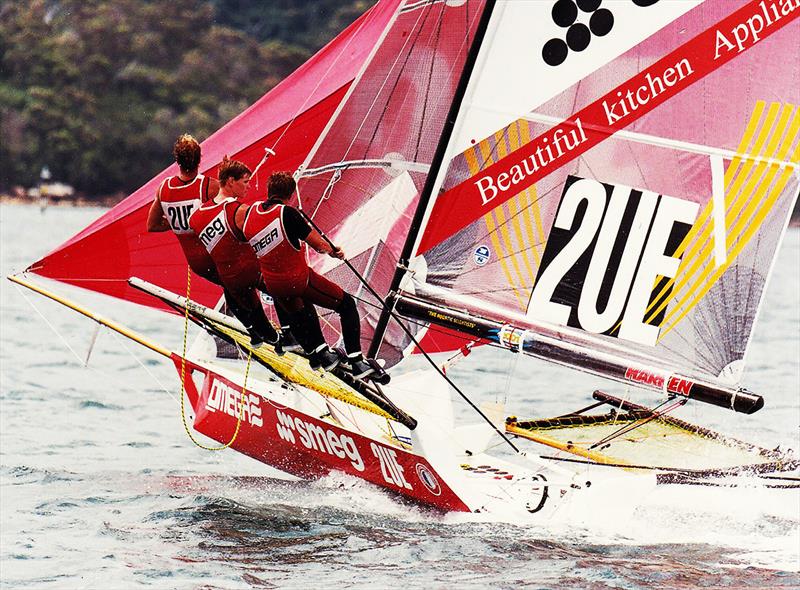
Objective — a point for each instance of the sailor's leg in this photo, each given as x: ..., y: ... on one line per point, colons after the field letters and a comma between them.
x: 246, y: 306
x: 308, y: 319
x: 323, y: 292
x: 306, y: 328
x: 292, y: 313
x: 288, y: 342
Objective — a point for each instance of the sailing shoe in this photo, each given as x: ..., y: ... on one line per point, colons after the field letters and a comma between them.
x: 258, y: 337
x: 358, y: 366
x: 323, y: 358
x: 287, y: 343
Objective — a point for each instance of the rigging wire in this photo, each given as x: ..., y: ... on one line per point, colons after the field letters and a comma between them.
x: 428, y: 84
x: 124, y: 345
x: 675, y: 403
x: 425, y: 13
x: 92, y: 368
x: 301, y: 108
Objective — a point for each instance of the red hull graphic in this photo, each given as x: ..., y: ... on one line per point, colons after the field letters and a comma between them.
x: 306, y: 446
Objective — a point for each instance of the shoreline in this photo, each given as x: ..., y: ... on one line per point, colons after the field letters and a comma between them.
x: 109, y: 202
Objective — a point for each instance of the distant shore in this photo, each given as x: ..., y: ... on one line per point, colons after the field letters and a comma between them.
x: 58, y: 202
x: 113, y: 200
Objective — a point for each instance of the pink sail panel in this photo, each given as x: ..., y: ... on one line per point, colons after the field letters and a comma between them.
x: 362, y: 184
x: 116, y: 246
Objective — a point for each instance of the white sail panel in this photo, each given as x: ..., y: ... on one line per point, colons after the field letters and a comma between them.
x: 518, y: 35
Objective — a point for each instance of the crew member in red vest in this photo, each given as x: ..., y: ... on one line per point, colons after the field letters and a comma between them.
x: 177, y: 197
x: 278, y: 235
x: 236, y: 264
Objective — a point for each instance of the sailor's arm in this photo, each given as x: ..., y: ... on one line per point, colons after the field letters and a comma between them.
x: 297, y: 226
x: 321, y: 245
x: 156, y: 220
x: 238, y: 222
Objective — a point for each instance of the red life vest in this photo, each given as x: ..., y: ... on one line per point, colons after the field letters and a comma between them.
x: 178, y: 200
x: 280, y: 262
x: 235, y: 261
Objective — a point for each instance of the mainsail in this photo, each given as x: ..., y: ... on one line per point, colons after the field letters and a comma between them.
x: 617, y: 207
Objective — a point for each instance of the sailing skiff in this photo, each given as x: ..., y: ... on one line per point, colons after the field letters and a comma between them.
x: 599, y: 184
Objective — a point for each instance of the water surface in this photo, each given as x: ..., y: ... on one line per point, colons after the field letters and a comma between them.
x: 100, y: 486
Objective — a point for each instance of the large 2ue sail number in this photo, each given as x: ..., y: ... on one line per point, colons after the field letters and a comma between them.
x: 610, y: 259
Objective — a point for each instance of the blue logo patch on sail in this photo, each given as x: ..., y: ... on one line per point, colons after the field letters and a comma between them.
x: 481, y: 255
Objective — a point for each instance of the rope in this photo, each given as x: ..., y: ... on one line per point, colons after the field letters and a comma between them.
x: 94, y: 369
x: 183, y: 380
x: 676, y: 403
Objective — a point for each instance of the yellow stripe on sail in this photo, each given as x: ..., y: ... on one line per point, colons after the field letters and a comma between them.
x: 767, y: 173
x: 703, y: 246
x: 699, y: 256
x: 475, y: 167
x: 748, y: 166
x: 515, y: 210
x: 525, y: 137
x: 762, y: 213
x: 521, y: 209
x: 518, y: 209
x: 749, y: 131
x: 700, y: 231
x: 762, y: 171
x: 513, y: 252
x: 527, y: 202
x: 748, y: 224
x: 738, y: 215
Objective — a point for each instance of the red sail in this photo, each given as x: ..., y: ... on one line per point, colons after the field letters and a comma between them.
x: 362, y: 183
x: 289, y: 119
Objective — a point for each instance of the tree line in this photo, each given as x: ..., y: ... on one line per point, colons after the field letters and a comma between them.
x: 97, y: 90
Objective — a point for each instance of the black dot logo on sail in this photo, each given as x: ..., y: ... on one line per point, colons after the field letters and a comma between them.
x: 582, y: 19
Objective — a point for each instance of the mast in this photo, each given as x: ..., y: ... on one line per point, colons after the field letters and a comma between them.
x: 430, y: 181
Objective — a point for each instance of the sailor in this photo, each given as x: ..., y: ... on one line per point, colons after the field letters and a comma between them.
x: 235, y: 262
x: 278, y: 234
x: 177, y: 197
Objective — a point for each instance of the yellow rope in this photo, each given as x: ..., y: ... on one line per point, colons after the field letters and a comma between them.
x: 183, y: 379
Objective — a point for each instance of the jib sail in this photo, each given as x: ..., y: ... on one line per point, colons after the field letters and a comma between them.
x: 362, y: 181
x: 288, y: 118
